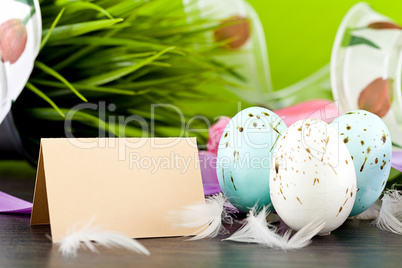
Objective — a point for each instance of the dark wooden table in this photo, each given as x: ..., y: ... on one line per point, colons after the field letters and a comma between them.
x: 355, y: 244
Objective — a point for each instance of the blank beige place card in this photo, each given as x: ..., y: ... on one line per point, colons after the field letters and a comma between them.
x: 125, y: 185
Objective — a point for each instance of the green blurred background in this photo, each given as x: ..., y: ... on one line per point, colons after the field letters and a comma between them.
x: 300, y: 34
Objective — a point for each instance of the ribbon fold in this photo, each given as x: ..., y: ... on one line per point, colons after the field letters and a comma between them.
x: 11, y: 204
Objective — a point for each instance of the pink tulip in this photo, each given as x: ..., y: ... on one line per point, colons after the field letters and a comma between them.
x: 215, y: 133
x: 324, y: 110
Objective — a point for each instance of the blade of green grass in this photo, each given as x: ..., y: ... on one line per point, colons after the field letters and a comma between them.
x: 56, y: 75
x: 108, y: 90
x: 116, y: 74
x: 77, y: 29
x: 112, y: 41
x: 110, y: 58
x: 50, y: 30
x: 123, y: 6
x: 42, y: 95
x: 156, y: 81
x: 77, y: 6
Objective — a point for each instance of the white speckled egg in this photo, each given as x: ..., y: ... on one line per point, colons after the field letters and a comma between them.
x: 312, y: 176
x: 245, y: 154
x: 369, y: 143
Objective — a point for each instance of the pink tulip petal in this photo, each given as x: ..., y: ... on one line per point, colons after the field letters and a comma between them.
x: 324, y: 110
x: 215, y: 133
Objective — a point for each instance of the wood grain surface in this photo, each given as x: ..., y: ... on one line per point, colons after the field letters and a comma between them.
x: 355, y: 244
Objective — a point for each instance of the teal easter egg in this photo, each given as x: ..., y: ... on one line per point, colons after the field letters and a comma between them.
x: 244, y: 157
x: 369, y: 143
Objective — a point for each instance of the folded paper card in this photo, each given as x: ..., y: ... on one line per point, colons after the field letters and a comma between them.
x: 126, y: 185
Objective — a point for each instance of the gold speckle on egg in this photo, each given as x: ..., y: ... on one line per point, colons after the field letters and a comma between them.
x: 223, y: 177
x: 340, y: 209
x: 383, y: 138
x: 383, y: 164
x: 365, y: 159
x: 234, y: 186
x: 276, y: 167
x: 298, y: 199
x: 280, y: 189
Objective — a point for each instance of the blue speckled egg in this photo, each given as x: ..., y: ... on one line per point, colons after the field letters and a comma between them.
x: 369, y: 143
x: 244, y: 156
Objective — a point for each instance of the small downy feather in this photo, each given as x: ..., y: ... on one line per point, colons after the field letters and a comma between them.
x: 257, y: 230
x: 390, y: 218
x: 90, y: 237
x: 208, y: 217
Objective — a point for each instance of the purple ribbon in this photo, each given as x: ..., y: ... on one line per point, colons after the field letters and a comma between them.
x: 11, y: 204
x: 397, y: 160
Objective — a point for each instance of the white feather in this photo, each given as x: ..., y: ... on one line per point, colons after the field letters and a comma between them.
x: 390, y: 218
x: 258, y: 230
x: 208, y: 217
x: 371, y: 213
x: 87, y: 236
